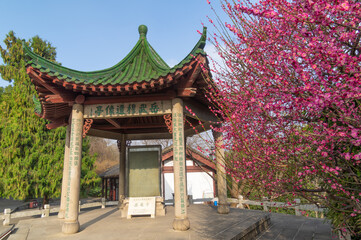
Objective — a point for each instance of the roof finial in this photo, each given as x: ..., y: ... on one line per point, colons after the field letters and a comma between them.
x: 142, y: 29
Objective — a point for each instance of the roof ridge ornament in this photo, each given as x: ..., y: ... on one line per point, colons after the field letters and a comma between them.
x: 142, y: 29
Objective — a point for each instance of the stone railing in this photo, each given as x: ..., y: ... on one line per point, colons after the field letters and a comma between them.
x: 267, y: 204
x: 47, y: 210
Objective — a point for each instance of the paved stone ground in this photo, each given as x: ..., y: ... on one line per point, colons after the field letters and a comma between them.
x: 290, y: 227
x: 106, y: 223
x: 205, y: 224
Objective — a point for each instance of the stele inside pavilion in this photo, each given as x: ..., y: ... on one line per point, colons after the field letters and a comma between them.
x: 139, y: 98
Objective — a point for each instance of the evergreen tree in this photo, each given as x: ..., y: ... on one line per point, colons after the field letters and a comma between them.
x: 31, y: 158
x: 4, y: 91
x: 1, y: 92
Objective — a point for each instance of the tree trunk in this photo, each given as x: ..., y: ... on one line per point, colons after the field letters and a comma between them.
x: 45, y: 200
x: 234, y: 191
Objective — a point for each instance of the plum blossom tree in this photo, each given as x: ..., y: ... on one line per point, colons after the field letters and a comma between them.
x: 290, y: 97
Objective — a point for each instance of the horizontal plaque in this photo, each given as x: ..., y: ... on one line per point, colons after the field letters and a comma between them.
x: 134, y: 109
x: 141, y: 206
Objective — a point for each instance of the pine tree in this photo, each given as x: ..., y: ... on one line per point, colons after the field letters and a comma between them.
x: 31, y: 158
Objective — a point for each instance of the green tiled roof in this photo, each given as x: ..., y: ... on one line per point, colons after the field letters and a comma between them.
x: 141, y: 64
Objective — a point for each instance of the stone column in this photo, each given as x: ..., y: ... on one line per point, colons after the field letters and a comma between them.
x: 64, y: 183
x: 122, y: 153
x: 221, y: 174
x: 181, y: 221
x: 186, y: 173
x: 71, y: 223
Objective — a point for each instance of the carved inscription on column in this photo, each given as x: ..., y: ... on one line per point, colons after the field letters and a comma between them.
x: 74, y: 155
x: 179, y: 155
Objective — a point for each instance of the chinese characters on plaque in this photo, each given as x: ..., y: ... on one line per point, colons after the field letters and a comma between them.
x: 141, y: 206
x: 133, y: 109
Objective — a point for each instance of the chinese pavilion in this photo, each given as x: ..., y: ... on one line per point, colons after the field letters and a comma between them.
x: 140, y: 97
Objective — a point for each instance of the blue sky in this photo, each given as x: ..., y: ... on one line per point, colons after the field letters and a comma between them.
x: 92, y: 35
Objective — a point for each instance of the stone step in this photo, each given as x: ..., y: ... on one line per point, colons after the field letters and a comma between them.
x: 290, y: 227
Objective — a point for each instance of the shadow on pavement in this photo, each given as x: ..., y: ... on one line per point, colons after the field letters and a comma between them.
x: 91, y: 222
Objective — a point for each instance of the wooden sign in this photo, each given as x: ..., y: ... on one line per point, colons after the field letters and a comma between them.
x: 141, y: 206
x: 133, y: 109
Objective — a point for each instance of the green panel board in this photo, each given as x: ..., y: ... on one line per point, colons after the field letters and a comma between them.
x: 143, y: 172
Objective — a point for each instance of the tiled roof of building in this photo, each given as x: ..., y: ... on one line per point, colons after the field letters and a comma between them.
x: 110, y: 172
x: 142, y: 64
x: 170, y: 148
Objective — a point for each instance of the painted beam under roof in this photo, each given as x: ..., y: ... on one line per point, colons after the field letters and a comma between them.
x: 201, y: 112
x: 118, y: 136
x: 148, y: 136
x: 104, y: 134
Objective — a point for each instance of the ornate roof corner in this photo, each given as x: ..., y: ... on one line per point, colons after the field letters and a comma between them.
x: 198, y: 49
x: 202, y: 41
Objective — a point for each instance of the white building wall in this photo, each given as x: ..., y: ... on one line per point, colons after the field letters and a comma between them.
x: 199, y: 184
x: 168, y: 163
x: 189, y: 163
x: 168, y: 186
